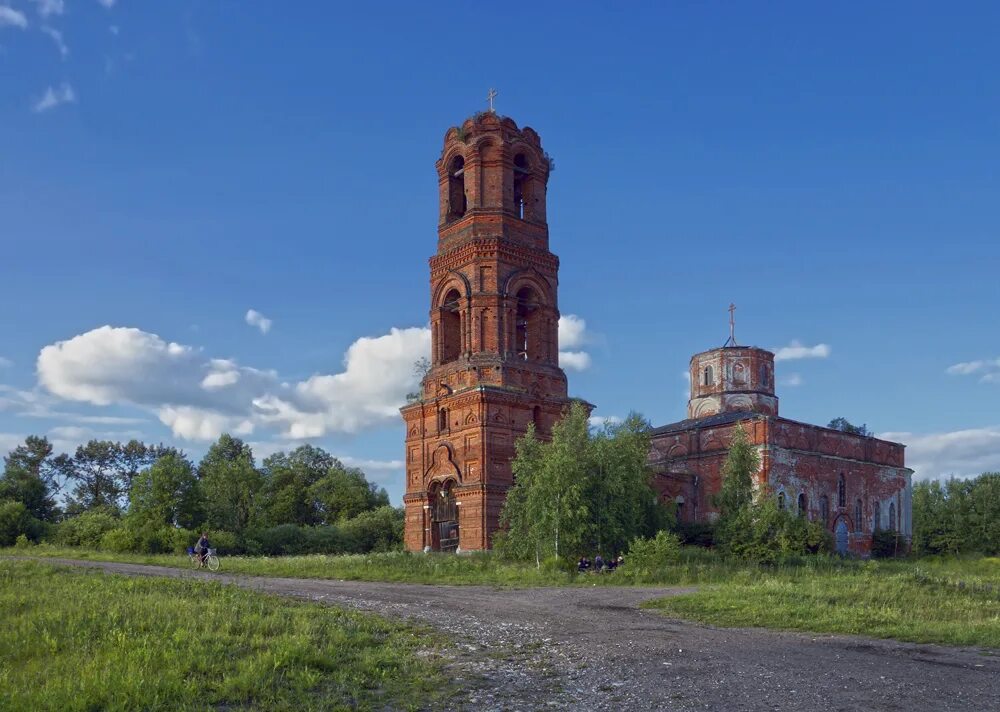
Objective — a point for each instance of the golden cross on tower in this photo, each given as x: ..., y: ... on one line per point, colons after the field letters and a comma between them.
x: 732, y: 324
x: 490, y: 96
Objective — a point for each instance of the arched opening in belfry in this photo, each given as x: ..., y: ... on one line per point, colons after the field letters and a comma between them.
x: 526, y: 331
x: 708, y: 377
x: 457, y: 201
x: 450, y: 327
x: 522, y: 186
x: 444, y: 517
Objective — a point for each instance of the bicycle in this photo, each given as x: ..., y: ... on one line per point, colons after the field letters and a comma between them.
x: 211, y: 560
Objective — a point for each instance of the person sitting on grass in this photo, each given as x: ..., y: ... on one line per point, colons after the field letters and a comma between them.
x: 201, y: 548
x: 598, y: 563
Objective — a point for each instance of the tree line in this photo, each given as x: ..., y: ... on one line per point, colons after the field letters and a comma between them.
x: 152, y: 498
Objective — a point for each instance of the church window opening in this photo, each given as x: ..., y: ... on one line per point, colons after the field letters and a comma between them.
x: 803, y: 504
x: 824, y: 510
x: 857, y: 514
x: 892, y: 516
x: 451, y: 327
x: 526, y: 325
x: 781, y: 501
x: 522, y: 186
x: 878, y: 517
x: 763, y: 376
x: 457, y: 200
x: 536, y: 417
x: 442, y: 419
x: 841, y: 491
x: 709, y: 376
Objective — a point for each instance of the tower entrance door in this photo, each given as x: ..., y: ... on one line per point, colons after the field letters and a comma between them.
x: 842, y: 533
x: 444, y: 513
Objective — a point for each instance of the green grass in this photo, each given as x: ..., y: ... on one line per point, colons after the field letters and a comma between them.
x: 952, y: 602
x: 84, y: 640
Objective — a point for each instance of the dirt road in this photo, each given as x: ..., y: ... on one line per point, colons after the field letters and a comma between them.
x: 593, y: 649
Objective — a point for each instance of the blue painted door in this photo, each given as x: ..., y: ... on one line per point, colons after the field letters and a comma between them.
x: 841, y: 537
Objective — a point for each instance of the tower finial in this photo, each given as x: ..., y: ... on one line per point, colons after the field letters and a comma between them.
x: 732, y: 326
x: 490, y: 96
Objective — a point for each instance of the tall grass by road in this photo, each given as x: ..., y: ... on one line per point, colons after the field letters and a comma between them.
x: 85, y: 640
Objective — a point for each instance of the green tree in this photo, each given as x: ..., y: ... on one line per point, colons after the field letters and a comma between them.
x: 845, y: 426
x: 166, y: 494
x: 285, y: 496
x: 97, y: 477
x: 578, y: 491
x: 31, y: 476
x: 741, y: 466
x: 343, y: 493
x: 229, y: 483
x: 15, y: 520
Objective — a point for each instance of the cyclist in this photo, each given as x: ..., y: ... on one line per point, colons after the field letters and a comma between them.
x: 201, y: 548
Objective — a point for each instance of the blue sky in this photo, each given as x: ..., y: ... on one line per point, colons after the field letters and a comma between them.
x: 166, y: 167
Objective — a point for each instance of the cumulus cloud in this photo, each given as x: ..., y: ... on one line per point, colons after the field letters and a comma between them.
x: 199, y: 397
x: 52, y: 98
x: 963, y: 453
x: 57, y: 38
x: 797, y: 350
x: 599, y: 421
x: 256, y: 319
x: 989, y: 368
x: 573, y: 334
x: 9, y: 17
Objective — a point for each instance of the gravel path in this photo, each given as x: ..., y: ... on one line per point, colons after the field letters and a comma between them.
x: 593, y: 649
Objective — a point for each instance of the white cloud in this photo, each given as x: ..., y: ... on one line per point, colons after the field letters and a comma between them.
x: 990, y: 368
x: 199, y: 397
x: 964, y: 453
x: 50, y: 7
x: 797, y: 350
x: 574, y: 360
x: 792, y: 380
x: 107, y: 3
x: 9, y: 441
x: 57, y: 37
x: 9, y: 17
x: 5, y: 362
x: 258, y: 320
x: 572, y: 335
x: 54, y: 97
x: 599, y: 421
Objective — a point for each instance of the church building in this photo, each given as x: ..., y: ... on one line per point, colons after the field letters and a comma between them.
x: 494, y: 370
x: 853, y: 484
x: 494, y: 331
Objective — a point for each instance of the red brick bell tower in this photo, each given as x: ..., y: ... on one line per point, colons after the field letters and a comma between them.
x: 494, y: 322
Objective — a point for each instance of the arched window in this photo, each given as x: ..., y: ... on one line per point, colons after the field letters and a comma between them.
x: 442, y: 419
x: 781, y: 501
x: 526, y: 325
x: 763, y: 375
x: 522, y: 187
x: 841, y: 491
x: 892, y: 516
x: 536, y: 418
x: 824, y: 510
x: 803, y: 505
x: 450, y: 332
x: 877, y: 516
x: 457, y: 201
x: 857, y: 515
x: 709, y: 376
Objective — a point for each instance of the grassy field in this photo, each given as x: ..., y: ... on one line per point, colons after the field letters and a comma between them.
x: 942, y: 600
x: 948, y: 601
x: 78, y: 640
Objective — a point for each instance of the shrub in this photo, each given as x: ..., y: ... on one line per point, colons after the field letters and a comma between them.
x: 647, y: 557
x: 15, y: 522
x: 283, y: 539
x: 22, y: 542
x: 696, y: 533
x: 887, y: 543
x: 378, y: 530
x: 87, y: 529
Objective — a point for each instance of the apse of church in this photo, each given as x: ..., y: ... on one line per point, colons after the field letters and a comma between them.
x: 494, y: 323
